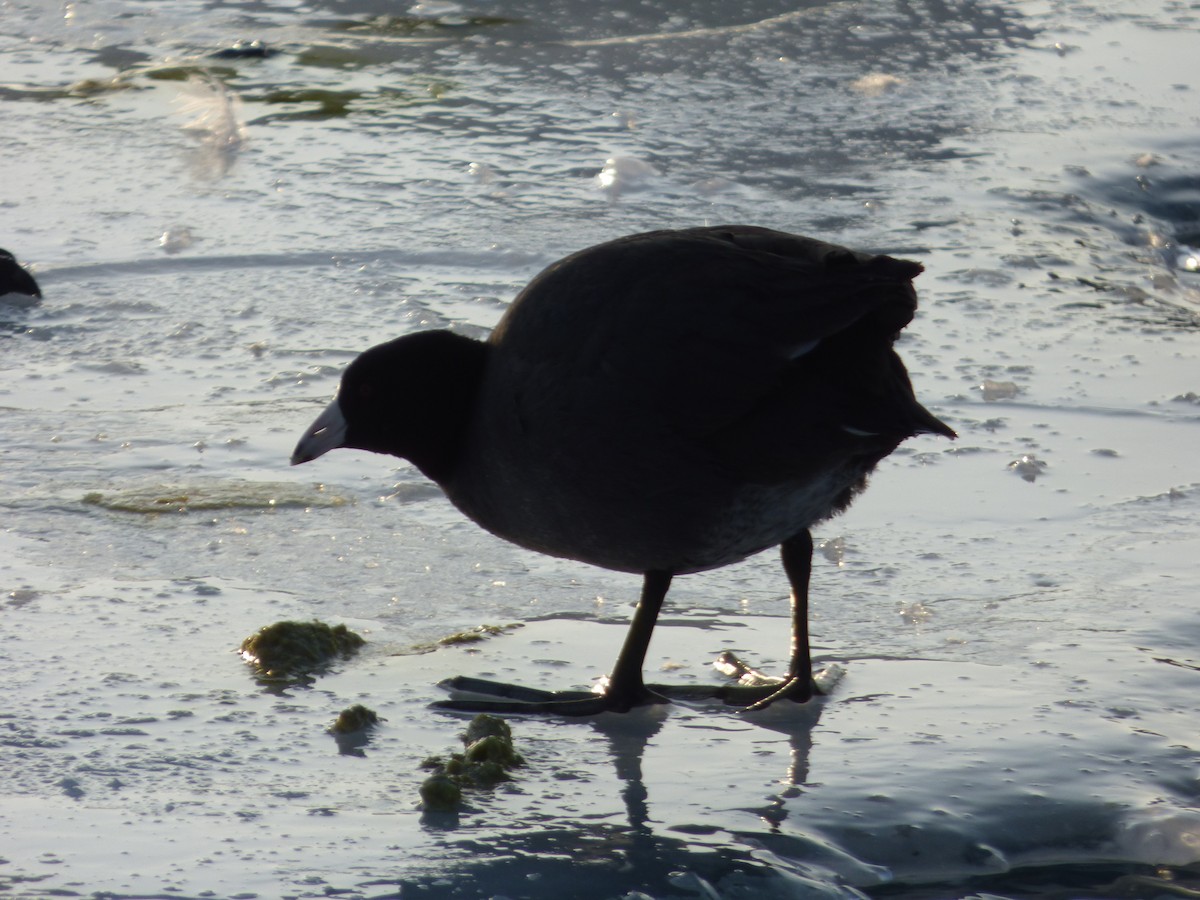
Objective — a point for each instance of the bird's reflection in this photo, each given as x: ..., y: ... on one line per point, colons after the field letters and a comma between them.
x: 586, y: 857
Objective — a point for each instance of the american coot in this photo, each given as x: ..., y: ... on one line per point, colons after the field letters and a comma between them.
x: 14, y: 279
x: 663, y: 403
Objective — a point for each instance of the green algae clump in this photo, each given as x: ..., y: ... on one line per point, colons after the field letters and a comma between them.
x: 440, y: 793
x: 486, y: 760
x: 354, y: 718
x: 294, y: 651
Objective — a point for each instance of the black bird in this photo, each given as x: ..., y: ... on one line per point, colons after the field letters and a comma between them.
x: 663, y: 403
x: 14, y: 279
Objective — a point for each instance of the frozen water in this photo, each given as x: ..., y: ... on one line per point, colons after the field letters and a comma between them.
x: 1017, y: 715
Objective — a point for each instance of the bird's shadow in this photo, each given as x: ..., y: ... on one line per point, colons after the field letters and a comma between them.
x: 640, y: 854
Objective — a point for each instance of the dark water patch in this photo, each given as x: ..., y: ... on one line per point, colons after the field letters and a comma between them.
x: 1151, y: 201
x: 319, y: 104
x: 834, y: 27
x: 1159, y: 188
x: 254, y: 49
x: 385, y: 25
x: 118, y: 56
x: 1146, y: 277
x: 604, y: 859
x: 1053, y: 882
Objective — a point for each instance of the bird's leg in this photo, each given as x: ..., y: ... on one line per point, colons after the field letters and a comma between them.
x: 622, y: 690
x: 625, y: 685
x: 755, y: 689
x: 796, y: 553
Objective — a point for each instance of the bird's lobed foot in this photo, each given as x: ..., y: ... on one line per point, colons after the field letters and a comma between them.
x: 483, y: 695
x: 748, y: 697
x: 753, y: 691
x: 797, y: 688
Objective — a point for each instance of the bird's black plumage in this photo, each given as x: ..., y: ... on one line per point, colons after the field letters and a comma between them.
x: 14, y: 279
x: 663, y: 403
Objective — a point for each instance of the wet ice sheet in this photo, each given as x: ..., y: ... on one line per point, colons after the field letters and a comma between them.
x: 136, y: 721
x: 1020, y: 653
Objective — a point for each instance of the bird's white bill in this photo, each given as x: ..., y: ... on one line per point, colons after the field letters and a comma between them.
x: 327, y: 433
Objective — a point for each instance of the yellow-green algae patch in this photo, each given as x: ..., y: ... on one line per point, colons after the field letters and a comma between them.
x: 354, y: 718
x: 292, y: 651
x: 486, y: 760
x: 460, y: 638
x: 214, y: 495
x: 472, y: 635
x: 402, y: 26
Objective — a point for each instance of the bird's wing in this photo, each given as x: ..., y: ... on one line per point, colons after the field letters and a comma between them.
x: 761, y: 352
x: 700, y: 325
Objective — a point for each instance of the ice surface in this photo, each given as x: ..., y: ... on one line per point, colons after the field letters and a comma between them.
x: 1017, y: 713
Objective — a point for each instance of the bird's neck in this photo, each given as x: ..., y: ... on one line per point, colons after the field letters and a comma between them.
x: 451, y: 397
